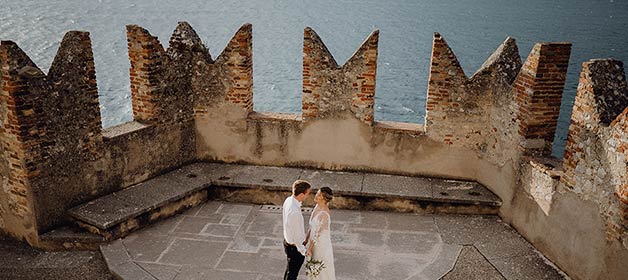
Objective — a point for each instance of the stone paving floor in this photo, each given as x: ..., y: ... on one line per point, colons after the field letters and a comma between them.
x: 219, y: 240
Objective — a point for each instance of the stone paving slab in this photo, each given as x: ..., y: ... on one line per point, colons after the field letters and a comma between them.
x: 470, y: 229
x: 105, y: 211
x: 401, y: 186
x: 160, y: 271
x: 461, y: 191
x: 340, y: 182
x: 441, y: 264
x: 530, y: 267
x: 266, y: 176
x: 472, y: 262
x: 367, y: 245
x: 221, y: 173
x: 131, y: 270
x: 137, y: 249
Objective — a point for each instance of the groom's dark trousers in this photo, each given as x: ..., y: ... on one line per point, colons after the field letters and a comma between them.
x: 295, y: 261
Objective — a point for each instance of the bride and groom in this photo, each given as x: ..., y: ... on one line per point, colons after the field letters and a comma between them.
x: 316, y: 244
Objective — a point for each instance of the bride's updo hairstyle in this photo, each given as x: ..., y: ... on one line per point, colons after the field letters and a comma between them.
x: 328, y: 195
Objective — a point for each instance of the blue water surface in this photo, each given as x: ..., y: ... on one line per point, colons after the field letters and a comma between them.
x: 597, y: 29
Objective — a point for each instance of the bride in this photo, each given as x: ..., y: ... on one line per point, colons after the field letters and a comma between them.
x: 319, y: 247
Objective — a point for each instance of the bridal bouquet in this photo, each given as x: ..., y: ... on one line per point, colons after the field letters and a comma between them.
x: 314, y: 267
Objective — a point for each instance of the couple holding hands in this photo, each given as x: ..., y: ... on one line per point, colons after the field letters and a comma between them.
x: 315, y: 245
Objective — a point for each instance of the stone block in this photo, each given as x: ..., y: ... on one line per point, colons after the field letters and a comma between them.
x: 196, y: 225
x: 193, y: 253
x: 339, y: 182
x: 220, y: 230
x: 115, y: 253
x: 105, y: 212
x: 130, y: 270
x: 471, y: 263
x: 400, y: 186
x: 469, y: 229
x: 442, y: 263
x: 160, y: 271
x: 266, y: 176
x: 266, y: 261
x: 463, y: 191
x: 146, y: 247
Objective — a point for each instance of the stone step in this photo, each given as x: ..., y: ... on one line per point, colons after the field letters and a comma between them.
x: 70, y: 237
x: 117, y: 214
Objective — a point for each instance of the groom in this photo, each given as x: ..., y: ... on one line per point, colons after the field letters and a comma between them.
x: 293, y: 229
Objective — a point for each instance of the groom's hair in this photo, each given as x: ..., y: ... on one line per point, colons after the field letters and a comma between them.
x: 300, y: 186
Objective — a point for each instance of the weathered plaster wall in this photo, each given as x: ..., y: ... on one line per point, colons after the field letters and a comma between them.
x: 569, y: 230
x: 340, y: 144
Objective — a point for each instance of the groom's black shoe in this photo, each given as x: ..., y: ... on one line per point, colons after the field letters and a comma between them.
x: 295, y: 261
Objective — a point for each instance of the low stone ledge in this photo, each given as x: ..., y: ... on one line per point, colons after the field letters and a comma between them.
x: 120, y: 213
x: 247, y: 183
x: 353, y: 183
x: 70, y: 238
x: 123, y: 129
x: 274, y: 117
x: 549, y: 165
x: 119, y: 227
x: 401, y: 127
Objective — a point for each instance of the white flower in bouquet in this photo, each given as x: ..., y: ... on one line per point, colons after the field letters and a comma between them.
x: 314, y: 267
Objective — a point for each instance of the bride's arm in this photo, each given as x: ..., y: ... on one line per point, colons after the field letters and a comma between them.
x: 309, y: 249
x: 321, y: 222
x: 307, y: 237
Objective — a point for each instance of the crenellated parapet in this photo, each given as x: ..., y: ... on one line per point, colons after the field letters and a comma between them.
x: 171, y: 85
x: 229, y: 78
x: 23, y: 134
x: 503, y: 104
x: 596, y: 153
x: 538, y: 90
x: 330, y: 90
x: 495, y: 127
x: 473, y: 112
x: 75, y: 110
x: 49, y: 122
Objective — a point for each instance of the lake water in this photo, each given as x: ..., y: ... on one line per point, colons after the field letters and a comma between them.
x: 474, y: 29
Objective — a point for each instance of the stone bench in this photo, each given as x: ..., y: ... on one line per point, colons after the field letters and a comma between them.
x: 119, y: 213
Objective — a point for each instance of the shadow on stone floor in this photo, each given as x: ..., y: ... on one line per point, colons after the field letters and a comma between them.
x: 20, y: 261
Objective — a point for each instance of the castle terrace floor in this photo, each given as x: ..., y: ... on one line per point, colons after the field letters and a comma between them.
x: 220, y: 240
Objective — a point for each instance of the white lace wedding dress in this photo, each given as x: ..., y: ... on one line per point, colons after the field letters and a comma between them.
x: 322, y: 250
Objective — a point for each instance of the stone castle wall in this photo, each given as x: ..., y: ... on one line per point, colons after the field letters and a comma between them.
x: 495, y: 127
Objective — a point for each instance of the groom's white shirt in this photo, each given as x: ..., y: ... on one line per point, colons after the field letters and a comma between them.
x: 293, y: 228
